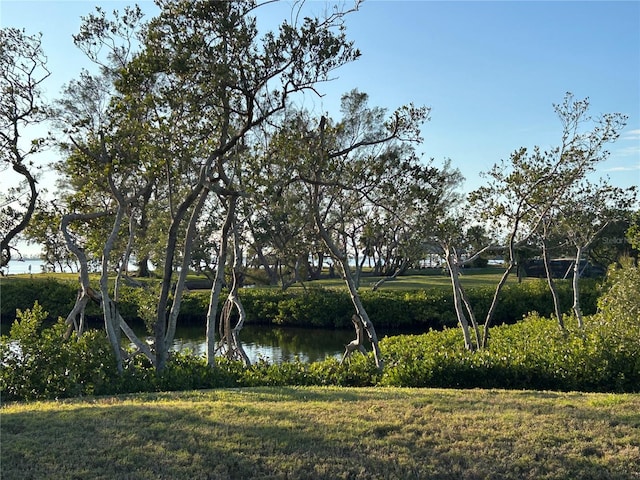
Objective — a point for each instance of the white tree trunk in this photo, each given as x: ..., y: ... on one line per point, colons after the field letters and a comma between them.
x: 356, y: 344
x: 576, y: 288
x: 343, y: 261
x: 216, y: 288
x: 230, y: 337
x: 184, y: 269
x: 552, y: 284
x: 458, y: 293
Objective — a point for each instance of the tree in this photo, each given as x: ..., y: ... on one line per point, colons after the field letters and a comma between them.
x: 583, y: 144
x: 201, y: 82
x: 282, y: 235
x: 583, y: 215
x: 520, y: 200
x: 620, y: 304
x: 633, y: 232
x: 44, y: 230
x: 506, y: 202
x: 23, y: 70
x: 612, y: 244
x: 344, y: 167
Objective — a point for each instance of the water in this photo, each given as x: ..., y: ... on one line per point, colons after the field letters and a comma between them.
x: 273, y: 344
x: 34, y: 266
x: 30, y: 265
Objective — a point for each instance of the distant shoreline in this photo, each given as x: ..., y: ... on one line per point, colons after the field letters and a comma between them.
x: 17, y: 267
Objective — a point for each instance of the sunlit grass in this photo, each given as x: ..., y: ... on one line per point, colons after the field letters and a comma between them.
x: 427, y: 278
x: 302, y: 433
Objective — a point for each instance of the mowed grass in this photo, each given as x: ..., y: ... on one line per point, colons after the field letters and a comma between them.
x: 325, y: 433
x: 427, y: 278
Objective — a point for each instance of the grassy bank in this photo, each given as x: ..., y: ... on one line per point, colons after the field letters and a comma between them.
x: 332, y: 433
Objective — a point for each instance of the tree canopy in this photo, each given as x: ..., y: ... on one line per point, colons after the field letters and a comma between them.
x: 186, y: 149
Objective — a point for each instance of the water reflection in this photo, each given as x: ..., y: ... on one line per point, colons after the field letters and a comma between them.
x: 274, y: 344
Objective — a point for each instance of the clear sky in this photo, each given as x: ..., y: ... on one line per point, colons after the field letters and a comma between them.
x: 490, y: 71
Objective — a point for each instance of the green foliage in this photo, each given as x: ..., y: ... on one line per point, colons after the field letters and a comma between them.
x: 426, y: 308
x: 38, y: 363
x: 55, y: 296
x: 531, y: 354
x: 315, y: 307
x: 429, y: 308
x: 358, y: 371
x: 621, y: 303
x: 633, y: 233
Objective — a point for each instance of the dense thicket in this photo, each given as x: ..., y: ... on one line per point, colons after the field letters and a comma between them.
x: 415, y: 310
x: 603, y: 355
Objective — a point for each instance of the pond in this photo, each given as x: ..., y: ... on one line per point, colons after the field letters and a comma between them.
x: 275, y: 344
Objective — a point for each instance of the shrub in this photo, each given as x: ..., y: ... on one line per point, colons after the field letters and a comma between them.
x: 57, y: 297
x: 314, y: 307
x: 38, y: 363
x: 621, y: 301
x: 531, y: 354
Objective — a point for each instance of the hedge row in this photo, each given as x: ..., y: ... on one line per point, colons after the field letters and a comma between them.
x: 317, y: 307
x: 532, y: 354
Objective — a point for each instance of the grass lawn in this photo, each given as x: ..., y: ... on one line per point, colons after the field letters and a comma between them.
x: 325, y: 433
x: 427, y: 278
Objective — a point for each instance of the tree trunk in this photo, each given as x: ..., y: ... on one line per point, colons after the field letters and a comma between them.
x: 503, y: 280
x: 315, y: 271
x: 458, y: 294
x: 494, y: 304
x: 576, y: 288
x: 184, y: 269
x: 160, y: 325
x: 216, y: 288
x: 111, y: 323
x: 230, y: 337
x: 343, y: 261
x: 143, y: 267
x: 123, y: 268
x: 356, y: 344
x: 552, y: 284
x: 472, y: 317
x: 361, y: 312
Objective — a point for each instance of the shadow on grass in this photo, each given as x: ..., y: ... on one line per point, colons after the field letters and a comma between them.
x: 323, y: 433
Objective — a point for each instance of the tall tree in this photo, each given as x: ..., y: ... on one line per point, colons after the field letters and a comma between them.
x: 522, y: 193
x: 23, y: 70
x: 201, y: 82
x: 343, y: 166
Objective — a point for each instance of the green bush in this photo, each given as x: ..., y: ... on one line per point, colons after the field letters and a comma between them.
x: 422, y: 309
x: 57, y: 297
x: 531, y: 354
x: 38, y: 363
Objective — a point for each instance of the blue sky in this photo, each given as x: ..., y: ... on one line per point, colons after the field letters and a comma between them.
x: 490, y: 71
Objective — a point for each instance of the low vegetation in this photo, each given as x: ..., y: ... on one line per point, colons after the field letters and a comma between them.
x: 326, y: 433
x: 531, y: 354
x: 418, y: 302
x: 534, y: 353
